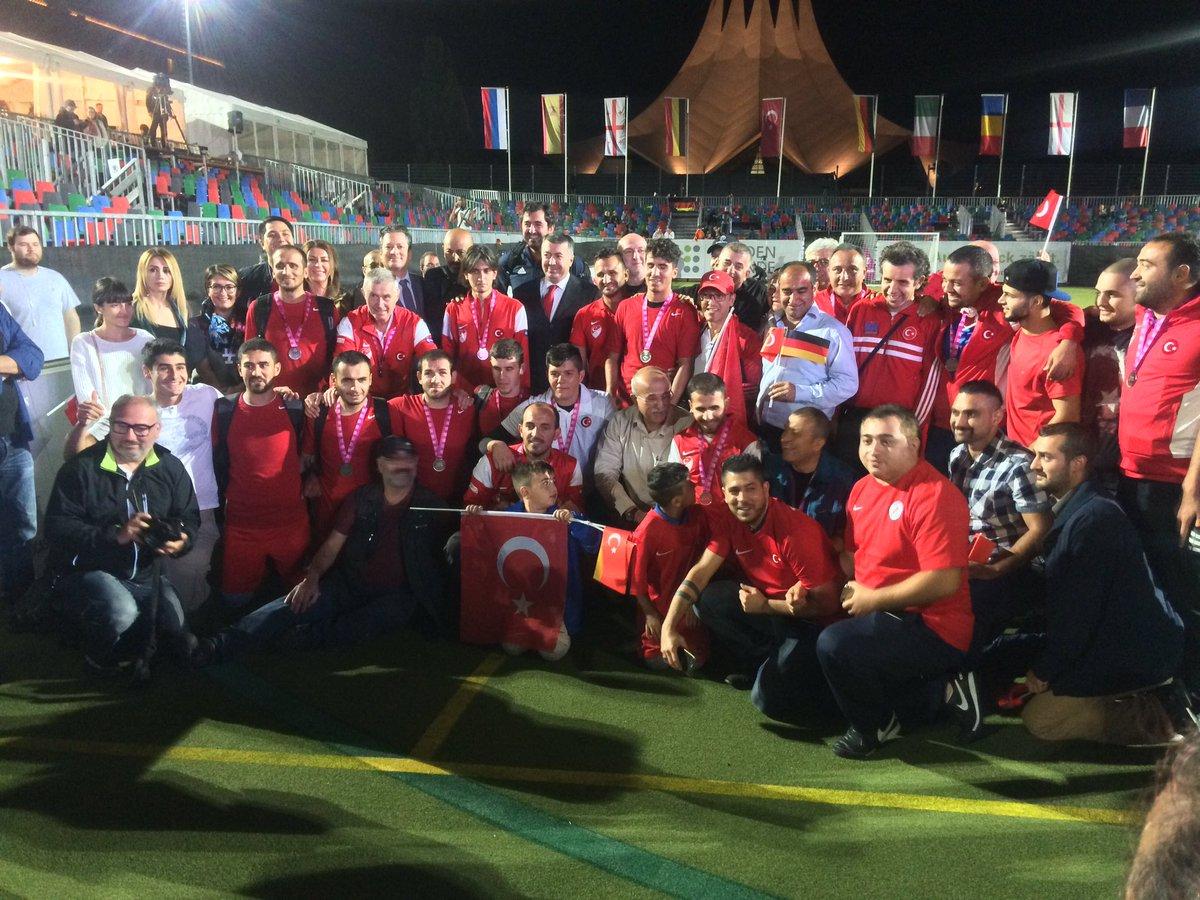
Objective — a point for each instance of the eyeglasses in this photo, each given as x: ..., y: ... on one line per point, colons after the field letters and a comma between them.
x: 117, y: 303
x: 222, y: 288
x: 119, y: 427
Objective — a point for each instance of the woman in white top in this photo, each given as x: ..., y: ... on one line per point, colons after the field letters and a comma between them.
x: 107, y: 361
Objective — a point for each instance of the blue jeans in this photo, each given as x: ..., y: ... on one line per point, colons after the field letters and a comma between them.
x: 109, y: 608
x: 18, y: 517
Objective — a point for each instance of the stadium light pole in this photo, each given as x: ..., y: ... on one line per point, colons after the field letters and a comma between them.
x: 187, y: 34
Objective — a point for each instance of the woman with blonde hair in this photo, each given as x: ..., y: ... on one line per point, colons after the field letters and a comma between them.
x: 159, y: 303
x: 321, y: 276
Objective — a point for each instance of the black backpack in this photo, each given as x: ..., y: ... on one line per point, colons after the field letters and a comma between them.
x: 325, y: 308
x: 383, y: 421
x: 222, y: 420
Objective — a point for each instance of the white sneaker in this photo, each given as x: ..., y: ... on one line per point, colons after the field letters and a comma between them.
x: 561, y: 646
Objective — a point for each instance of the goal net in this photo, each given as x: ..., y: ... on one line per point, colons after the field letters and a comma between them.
x: 873, y: 243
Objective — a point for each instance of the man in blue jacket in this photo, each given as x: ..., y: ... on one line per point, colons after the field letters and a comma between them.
x: 1102, y: 669
x: 20, y: 359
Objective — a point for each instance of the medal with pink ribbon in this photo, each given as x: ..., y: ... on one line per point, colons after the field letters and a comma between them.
x: 648, y: 331
x: 705, y: 461
x: 347, y: 452
x: 1145, y: 342
x: 564, y: 445
x: 293, y: 337
x: 481, y: 327
x: 439, y: 442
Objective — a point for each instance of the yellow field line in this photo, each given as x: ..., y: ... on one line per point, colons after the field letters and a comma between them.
x: 630, y: 781
x: 439, y: 729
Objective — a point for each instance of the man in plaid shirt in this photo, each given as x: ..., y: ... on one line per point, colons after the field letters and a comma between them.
x: 1007, y: 508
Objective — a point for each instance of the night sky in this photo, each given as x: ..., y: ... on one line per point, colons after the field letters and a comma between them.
x: 404, y: 74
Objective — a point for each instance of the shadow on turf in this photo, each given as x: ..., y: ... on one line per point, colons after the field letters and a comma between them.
x: 388, y: 880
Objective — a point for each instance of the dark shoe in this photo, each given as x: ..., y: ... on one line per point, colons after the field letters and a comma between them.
x: 739, y: 681
x: 856, y: 745
x: 203, y: 654
x: 964, y: 707
x: 107, y: 670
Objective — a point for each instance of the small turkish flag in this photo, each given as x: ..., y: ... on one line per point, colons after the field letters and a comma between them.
x: 612, y: 563
x: 514, y: 580
x: 773, y: 344
x: 1047, y: 211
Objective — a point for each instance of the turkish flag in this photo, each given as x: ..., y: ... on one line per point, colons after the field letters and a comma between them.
x: 612, y: 563
x: 772, y: 127
x: 1047, y: 211
x: 514, y: 580
x: 773, y: 343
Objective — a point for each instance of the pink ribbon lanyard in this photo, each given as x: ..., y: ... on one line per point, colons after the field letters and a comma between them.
x: 347, y: 453
x: 564, y: 446
x: 648, y: 332
x: 1145, y: 342
x: 439, y: 443
x: 481, y: 328
x: 293, y: 337
x: 714, y: 453
x: 385, y: 340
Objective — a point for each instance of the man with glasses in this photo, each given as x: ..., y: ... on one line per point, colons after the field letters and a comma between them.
x: 116, y: 511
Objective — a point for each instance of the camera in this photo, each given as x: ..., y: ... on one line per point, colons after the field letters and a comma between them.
x: 161, y: 532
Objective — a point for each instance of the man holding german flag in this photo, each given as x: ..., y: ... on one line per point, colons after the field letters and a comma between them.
x: 808, y: 356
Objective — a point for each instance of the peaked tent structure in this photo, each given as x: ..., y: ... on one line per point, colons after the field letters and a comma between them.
x: 736, y: 61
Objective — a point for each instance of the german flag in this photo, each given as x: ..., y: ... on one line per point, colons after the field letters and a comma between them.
x: 806, y: 346
x: 675, y: 115
x: 864, y: 116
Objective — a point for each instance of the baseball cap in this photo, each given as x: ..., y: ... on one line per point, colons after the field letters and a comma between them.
x: 715, y: 248
x: 717, y: 280
x: 1035, y: 276
x: 394, y: 445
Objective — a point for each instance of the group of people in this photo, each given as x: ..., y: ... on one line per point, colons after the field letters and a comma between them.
x: 952, y: 493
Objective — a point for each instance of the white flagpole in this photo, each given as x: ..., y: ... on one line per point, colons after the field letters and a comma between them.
x: 937, y: 152
x: 1054, y: 219
x: 1146, y: 157
x: 782, y: 137
x: 1074, y: 141
x: 564, y: 140
x: 1003, y: 137
x: 626, y: 124
x: 508, y: 136
x: 502, y: 512
x: 874, y: 131
x: 687, y: 141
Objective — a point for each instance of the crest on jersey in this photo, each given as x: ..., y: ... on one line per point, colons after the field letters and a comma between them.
x: 596, y: 329
x: 896, y: 510
x: 871, y: 328
x: 586, y: 421
x: 1170, y: 346
x: 988, y: 335
x: 909, y: 333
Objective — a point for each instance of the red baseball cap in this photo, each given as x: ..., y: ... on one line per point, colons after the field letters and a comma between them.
x: 718, y: 280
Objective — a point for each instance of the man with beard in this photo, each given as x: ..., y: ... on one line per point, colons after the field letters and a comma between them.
x: 523, y: 263
x: 1105, y: 348
x: 846, y: 275
x: 595, y: 330
x: 713, y: 437
x: 442, y: 284
x: 492, y: 488
x: 806, y: 476
x: 254, y: 281
x: 552, y: 302
x: 1032, y: 400
x: 40, y: 300
x: 751, y: 303
x: 256, y: 457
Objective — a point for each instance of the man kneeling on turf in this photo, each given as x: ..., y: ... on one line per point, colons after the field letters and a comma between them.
x: 768, y: 621
x: 376, y: 572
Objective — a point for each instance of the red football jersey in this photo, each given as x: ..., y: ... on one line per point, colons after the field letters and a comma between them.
x: 408, y: 420
x: 264, y: 470
x: 495, y: 409
x: 336, y: 486
x: 663, y: 553
x: 832, y: 305
x: 916, y: 525
x: 501, y: 316
x: 1160, y: 411
x: 594, y: 331
x: 310, y: 371
x: 1029, y: 394
x: 677, y: 337
x: 391, y: 366
x: 904, y: 370
x: 690, y: 447
x: 493, y: 489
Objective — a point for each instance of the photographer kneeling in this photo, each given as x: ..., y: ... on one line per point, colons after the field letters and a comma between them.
x: 117, y: 508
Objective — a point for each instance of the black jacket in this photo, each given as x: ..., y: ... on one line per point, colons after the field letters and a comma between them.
x: 252, y: 282
x: 751, y: 304
x: 441, y: 286
x: 517, y: 266
x: 545, y: 333
x: 88, y: 507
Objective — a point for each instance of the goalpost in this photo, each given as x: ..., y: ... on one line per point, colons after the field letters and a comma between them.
x: 873, y: 243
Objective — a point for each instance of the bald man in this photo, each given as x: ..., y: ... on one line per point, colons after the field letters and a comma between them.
x: 633, y: 252
x: 441, y: 283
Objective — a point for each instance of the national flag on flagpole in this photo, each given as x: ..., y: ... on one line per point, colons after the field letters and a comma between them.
x: 1137, y: 119
x: 1062, y: 124
x: 991, y: 124
x: 614, y: 559
x: 495, y: 118
x: 514, y: 580
x: 772, y: 127
x: 925, y: 124
x: 553, y: 106
x: 864, y: 120
x: 615, y: 126
x: 675, y: 119
x: 1047, y: 211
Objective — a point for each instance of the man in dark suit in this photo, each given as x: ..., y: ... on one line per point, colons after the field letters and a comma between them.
x: 395, y: 245
x: 442, y: 282
x: 551, y: 303
x: 522, y: 263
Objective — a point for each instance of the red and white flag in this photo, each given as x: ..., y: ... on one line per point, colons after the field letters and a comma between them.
x: 1139, y: 108
x: 1062, y: 124
x: 614, y: 559
x: 772, y: 126
x: 1047, y: 211
x: 514, y: 580
x: 616, y: 126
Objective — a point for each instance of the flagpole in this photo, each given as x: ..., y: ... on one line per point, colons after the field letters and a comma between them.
x: 500, y: 512
x: 1003, y: 138
x: 687, y: 143
x: 508, y: 136
x: 1054, y: 220
x: 1146, y: 157
x: 626, y: 200
x: 564, y: 140
x: 782, y: 133
x: 1074, y: 141
x: 937, y: 152
x: 874, y: 136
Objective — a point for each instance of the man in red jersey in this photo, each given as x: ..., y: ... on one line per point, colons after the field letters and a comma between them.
x: 474, y: 323
x: 769, y: 620
x: 1031, y: 399
x: 847, y: 283
x: 656, y: 328
x: 905, y: 552
x: 390, y: 336
x: 594, y: 330
x: 302, y: 327
x: 1158, y: 424
x: 712, y: 438
x: 256, y: 457
x: 728, y: 347
x: 338, y: 444
x: 894, y: 346
x: 974, y: 344
x: 441, y: 431
x: 494, y: 402
x: 492, y: 488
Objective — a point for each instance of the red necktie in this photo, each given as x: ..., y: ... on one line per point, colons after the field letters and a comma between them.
x: 548, y: 300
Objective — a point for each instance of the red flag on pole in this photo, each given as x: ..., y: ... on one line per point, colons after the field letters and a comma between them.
x: 772, y: 127
x: 514, y: 580
x: 613, y: 561
x: 1047, y: 211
